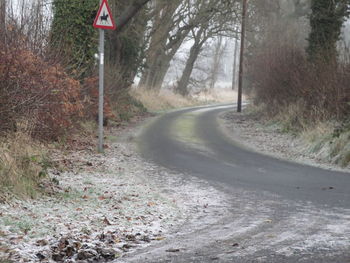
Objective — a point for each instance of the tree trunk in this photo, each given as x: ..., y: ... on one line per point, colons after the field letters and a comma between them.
x: 186, y: 75
x: 234, y: 73
x: 154, y: 65
x: 155, y: 52
x: 162, y: 47
x: 123, y: 49
x: 216, y: 63
x: 159, y: 77
x: 158, y: 65
x: 129, y: 13
x: 2, y: 19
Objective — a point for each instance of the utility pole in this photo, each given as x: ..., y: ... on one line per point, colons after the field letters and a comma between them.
x: 241, y: 59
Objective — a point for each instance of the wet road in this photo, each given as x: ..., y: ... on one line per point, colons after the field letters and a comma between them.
x: 278, y: 211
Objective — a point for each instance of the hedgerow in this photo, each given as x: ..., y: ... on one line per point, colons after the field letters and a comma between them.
x: 38, y: 92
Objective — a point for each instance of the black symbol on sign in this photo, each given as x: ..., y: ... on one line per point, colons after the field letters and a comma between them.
x: 104, y: 17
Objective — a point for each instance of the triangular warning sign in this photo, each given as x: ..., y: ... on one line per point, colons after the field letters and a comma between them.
x: 104, y: 18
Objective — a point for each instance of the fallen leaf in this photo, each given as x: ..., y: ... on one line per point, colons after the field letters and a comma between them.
x: 40, y: 256
x: 106, y: 221
x: 42, y: 242
x: 127, y: 246
x: 172, y: 250
x: 159, y: 238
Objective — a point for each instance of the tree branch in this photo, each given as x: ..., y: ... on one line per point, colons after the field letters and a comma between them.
x: 129, y: 13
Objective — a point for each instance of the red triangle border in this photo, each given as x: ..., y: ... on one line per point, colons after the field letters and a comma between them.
x: 113, y: 27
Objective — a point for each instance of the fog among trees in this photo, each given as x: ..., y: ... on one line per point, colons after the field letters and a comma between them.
x: 190, y: 45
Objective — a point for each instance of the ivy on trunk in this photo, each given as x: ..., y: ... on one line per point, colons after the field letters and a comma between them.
x: 73, y: 38
x: 326, y: 21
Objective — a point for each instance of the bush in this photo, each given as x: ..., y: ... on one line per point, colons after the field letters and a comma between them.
x: 284, y: 78
x: 33, y: 89
x: 91, y: 100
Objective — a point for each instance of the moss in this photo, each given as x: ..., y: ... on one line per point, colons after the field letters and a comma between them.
x: 184, y: 129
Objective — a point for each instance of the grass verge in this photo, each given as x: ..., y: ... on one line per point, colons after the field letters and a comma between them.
x: 325, y: 139
x: 167, y: 100
x: 162, y: 101
x: 329, y: 141
x: 23, y: 164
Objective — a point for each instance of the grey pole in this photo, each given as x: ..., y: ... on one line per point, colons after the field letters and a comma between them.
x: 101, y: 91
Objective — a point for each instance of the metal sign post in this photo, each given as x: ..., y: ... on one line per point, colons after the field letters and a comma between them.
x: 101, y: 90
x: 104, y: 20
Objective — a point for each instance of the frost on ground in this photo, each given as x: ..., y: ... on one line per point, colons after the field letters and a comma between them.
x: 270, y: 140
x: 103, y: 207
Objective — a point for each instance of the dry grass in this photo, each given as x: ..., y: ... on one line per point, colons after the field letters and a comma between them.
x: 291, y: 118
x: 329, y: 142
x: 326, y: 140
x: 22, y: 165
x: 167, y: 100
x: 219, y: 95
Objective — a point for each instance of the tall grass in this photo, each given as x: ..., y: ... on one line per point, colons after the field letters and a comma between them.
x: 166, y: 99
x: 23, y: 164
x: 305, y: 98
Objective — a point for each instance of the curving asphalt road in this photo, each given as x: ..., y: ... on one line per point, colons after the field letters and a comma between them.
x: 236, y: 166
x: 309, y: 206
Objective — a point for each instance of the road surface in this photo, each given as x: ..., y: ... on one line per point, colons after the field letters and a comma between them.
x: 278, y: 211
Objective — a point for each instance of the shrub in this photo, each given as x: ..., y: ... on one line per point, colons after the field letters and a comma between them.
x: 91, y: 97
x: 283, y: 77
x: 35, y: 90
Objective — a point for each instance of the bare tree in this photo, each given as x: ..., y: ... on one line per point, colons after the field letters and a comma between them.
x: 219, y: 49
x: 166, y: 37
x: 199, y: 37
x: 174, y: 22
x: 219, y: 17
